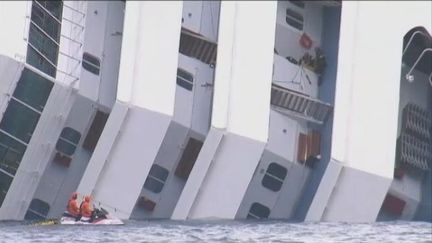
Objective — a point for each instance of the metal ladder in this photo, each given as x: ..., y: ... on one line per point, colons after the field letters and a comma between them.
x: 299, y: 105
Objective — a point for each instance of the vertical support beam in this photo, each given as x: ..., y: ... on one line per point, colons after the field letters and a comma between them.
x: 241, y: 109
x: 366, y: 108
x: 146, y: 86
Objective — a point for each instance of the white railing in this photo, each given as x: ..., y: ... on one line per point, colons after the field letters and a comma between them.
x: 299, y: 105
x: 72, y: 17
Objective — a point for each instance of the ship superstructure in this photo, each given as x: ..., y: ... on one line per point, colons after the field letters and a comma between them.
x: 300, y: 110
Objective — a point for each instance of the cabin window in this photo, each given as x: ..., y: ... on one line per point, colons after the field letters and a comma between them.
x: 9, y: 159
x: 44, y: 35
x: 184, y: 79
x: 294, y: 19
x: 54, y: 7
x: 95, y: 131
x: 5, y: 182
x: 274, y: 177
x: 258, y: 211
x: 38, y: 209
x: 19, y: 120
x: 38, y: 61
x: 187, y: 161
x: 91, y: 63
x: 21, y: 117
x: 33, y: 90
x: 156, y: 178
x: 68, y: 141
x: 43, y: 43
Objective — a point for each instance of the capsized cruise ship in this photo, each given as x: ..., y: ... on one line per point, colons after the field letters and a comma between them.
x: 298, y: 110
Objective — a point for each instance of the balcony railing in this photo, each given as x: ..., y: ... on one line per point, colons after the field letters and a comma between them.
x: 299, y: 105
x: 197, y: 46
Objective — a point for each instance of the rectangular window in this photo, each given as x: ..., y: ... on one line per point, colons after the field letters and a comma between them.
x: 45, y: 19
x: 19, y: 120
x: 156, y: 178
x: 5, y: 182
x: 258, y: 211
x: 44, y: 35
x: 11, y: 143
x: 38, y: 209
x: 38, y: 61
x: 9, y: 158
x: 294, y: 19
x: 95, y: 131
x: 91, y: 63
x: 274, y: 177
x: 68, y: 141
x: 43, y: 44
x: 189, y: 156
x: 184, y: 79
x: 33, y: 89
x: 53, y: 7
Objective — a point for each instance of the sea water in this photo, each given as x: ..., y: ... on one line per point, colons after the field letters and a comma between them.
x: 218, y: 231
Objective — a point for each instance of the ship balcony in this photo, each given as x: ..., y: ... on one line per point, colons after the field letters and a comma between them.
x: 295, y: 90
x: 198, y: 47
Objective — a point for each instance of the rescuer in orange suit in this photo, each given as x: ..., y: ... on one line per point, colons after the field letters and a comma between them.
x: 72, y: 206
x: 86, y: 208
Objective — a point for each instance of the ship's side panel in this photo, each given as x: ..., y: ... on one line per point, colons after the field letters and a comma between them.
x: 244, y: 70
x: 147, y: 84
x: 111, y: 54
x: 36, y: 156
x: 94, y: 45
x: 367, y: 95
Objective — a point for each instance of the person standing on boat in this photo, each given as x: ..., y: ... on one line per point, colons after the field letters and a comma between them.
x: 86, y: 208
x: 72, y: 206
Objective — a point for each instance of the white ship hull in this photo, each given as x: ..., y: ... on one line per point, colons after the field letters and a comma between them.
x: 200, y: 109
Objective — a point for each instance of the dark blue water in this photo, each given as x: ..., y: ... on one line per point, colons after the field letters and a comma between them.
x: 219, y: 231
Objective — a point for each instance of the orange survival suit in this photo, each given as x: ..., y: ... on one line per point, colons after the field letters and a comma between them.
x: 72, y: 206
x: 86, y: 208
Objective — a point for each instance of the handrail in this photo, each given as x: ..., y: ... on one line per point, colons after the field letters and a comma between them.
x: 73, y: 22
x: 52, y: 64
x: 417, y: 61
x: 71, y: 39
x: 411, y: 38
x: 278, y: 87
x: 71, y: 57
x: 299, y: 105
x: 71, y: 8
